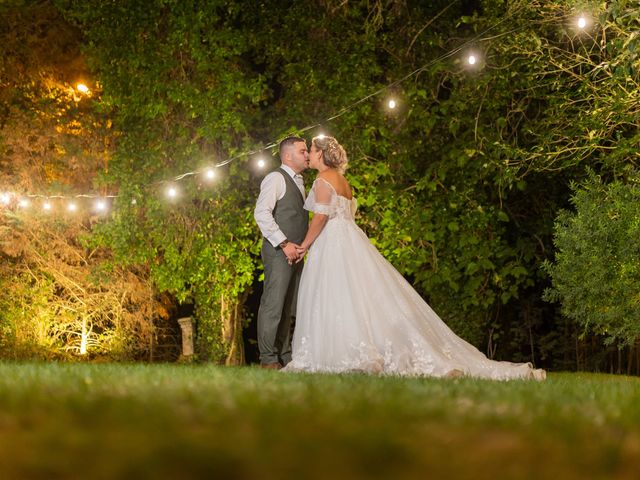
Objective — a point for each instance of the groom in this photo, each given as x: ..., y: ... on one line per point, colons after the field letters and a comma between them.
x: 283, y: 222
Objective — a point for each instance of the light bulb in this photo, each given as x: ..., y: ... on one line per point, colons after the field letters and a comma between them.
x: 23, y: 203
x: 472, y: 59
x: 261, y: 163
x: 82, y: 88
x: 392, y: 104
x: 582, y: 22
x: 46, y: 206
x: 100, y: 205
x: 72, y: 207
x: 172, y: 192
x: 210, y: 173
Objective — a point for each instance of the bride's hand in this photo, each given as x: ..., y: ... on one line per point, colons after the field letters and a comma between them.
x: 301, y: 253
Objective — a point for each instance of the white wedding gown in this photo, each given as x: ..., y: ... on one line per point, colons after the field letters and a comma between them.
x: 356, y: 313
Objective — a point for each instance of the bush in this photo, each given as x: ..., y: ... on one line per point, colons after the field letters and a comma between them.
x: 59, y: 299
x: 596, y: 273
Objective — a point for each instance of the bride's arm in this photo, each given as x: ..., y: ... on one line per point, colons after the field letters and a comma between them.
x: 317, y: 224
x: 321, y: 206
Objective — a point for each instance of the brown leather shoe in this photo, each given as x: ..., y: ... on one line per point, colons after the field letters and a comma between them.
x: 271, y: 366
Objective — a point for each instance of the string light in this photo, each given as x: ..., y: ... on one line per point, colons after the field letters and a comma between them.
x: 46, y: 206
x: 23, y: 203
x: 100, y: 205
x: 582, y: 22
x: 261, y: 163
x: 172, y: 191
x: 72, y: 207
x: 5, y: 198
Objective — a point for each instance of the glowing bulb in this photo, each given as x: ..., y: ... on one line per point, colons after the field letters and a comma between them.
x: 23, y: 203
x: 472, y: 59
x: 46, y: 206
x: 5, y: 198
x: 100, y: 206
x: 261, y: 163
x: 321, y: 136
x: 582, y: 22
x: 172, y: 192
x: 82, y: 88
x: 392, y: 104
x: 72, y: 207
x: 210, y: 174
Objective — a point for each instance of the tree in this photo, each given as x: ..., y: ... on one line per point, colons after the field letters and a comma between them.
x: 458, y: 187
x: 62, y: 300
x: 181, y: 94
x: 58, y: 297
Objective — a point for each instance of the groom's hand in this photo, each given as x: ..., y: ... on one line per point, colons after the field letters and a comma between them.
x: 290, y: 251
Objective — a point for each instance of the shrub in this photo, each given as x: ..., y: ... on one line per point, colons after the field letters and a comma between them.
x: 596, y: 273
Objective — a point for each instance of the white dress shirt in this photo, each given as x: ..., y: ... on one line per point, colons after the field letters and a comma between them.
x: 272, y: 189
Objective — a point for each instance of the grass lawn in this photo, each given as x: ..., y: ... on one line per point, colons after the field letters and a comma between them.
x: 194, y: 421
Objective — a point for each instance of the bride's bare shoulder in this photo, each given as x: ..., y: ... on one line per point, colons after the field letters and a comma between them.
x: 337, y: 181
x: 328, y: 173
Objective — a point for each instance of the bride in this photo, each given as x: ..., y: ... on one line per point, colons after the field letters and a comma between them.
x: 355, y: 312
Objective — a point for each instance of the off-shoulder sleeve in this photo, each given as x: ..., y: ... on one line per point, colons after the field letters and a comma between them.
x: 353, y: 207
x: 320, y: 198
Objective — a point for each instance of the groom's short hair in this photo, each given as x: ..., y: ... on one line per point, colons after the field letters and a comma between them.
x: 288, y: 142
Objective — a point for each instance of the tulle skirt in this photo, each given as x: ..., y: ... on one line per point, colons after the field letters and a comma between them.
x: 356, y: 313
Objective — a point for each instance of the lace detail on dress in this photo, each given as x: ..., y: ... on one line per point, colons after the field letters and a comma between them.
x: 423, y: 362
x: 365, y: 358
x: 323, y: 199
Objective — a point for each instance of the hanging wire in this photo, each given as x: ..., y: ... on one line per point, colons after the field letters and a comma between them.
x: 477, y: 38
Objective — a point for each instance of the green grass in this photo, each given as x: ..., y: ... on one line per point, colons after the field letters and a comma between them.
x: 190, y: 421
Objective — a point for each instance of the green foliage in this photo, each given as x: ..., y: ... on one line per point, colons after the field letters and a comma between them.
x: 458, y: 187
x: 26, y: 321
x: 52, y: 288
x: 596, y: 271
x: 181, y: 94
x: 51, y: 139
x: 58, y: 301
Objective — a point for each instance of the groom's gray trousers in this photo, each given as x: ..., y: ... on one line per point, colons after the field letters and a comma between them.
x: 278, y: 303
x: 277, y: 306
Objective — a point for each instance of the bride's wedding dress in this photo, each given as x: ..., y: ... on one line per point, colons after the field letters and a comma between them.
x: 356, y: 313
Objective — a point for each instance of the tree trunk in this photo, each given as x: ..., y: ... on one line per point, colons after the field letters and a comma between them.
x: 232, y: 332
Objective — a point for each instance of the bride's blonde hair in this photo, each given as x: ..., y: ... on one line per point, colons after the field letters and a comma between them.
x: 333, y: 155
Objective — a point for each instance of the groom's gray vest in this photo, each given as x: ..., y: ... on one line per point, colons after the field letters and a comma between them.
x: 289, y: 212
